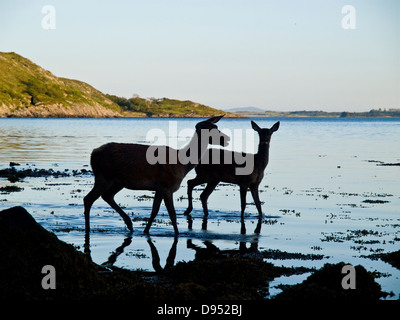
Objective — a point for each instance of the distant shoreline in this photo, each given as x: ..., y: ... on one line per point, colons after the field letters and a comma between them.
x: 391, y: 113
x: 240, y: 116
x: 230, y: 116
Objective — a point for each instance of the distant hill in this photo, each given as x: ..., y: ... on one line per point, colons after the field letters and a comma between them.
x: 27, y: 90
x: 390, y: 113
x: 246, y: 109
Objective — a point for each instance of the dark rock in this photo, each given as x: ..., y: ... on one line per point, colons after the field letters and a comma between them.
x: 17, y: 218
x: 326, y: 285
x: 26, y: 247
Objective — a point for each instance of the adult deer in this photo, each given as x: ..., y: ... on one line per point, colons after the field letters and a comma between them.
x: 214, y: 173
x: 120, y: 165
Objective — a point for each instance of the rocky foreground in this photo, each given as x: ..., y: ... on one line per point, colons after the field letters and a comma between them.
x: 26, y: 247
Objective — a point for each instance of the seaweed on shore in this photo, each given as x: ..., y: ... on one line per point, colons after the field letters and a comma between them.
x: 374, y: 201
x: 392, y: 257
x: 283, y: 255
x: 15, y: 175
x: 8, y: 189
x: 385, y: 164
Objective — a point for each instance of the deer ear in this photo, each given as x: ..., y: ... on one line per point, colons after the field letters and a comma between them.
x: 275, y: 127
x: 215, y: 119
x: 255, y: 126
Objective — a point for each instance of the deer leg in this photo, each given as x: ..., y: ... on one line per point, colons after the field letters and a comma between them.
x: 154, y: 210
x: 191, y: 184
x: 90, y: 198
x: 108, y: 197
x: 258, y: 228
x: 190, y: 197
x: 254, y: 193
x: 242, y: 226
x: 169, y: 203
x: 205, y: 194
x: 243, y: 192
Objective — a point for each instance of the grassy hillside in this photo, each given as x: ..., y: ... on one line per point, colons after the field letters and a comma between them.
x: 166, y: 107
x: 27, y: 90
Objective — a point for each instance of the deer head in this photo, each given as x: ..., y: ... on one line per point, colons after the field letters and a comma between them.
x: 208, y: 129
x: 265, y: 134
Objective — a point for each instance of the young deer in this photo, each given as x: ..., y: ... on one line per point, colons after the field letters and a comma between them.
x: 212, y: 173
x: 118, y: 165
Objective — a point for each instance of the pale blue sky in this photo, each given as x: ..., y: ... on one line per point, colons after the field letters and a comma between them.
x: 276, y: 55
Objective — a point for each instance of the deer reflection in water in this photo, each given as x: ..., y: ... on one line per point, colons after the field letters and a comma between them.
x: 126, y: 243
x: 204, y: 224
x: 210, y: 250
x: 156, y: 258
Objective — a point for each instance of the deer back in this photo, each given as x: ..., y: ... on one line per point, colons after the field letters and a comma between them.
x: 127, y: 164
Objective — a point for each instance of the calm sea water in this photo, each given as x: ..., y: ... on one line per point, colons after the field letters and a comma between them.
x: 321, y: 173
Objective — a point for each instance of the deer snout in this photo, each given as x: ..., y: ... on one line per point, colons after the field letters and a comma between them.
x: 224, y: 140
x: 216, y: 137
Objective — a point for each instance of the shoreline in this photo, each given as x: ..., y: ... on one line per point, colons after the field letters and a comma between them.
x: 247, y: 116
x: 227, y: 115
x: 128, y: 117
x: 327, y: 115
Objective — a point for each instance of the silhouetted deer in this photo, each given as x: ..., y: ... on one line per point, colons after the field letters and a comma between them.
x: 213, y: 173
x: 120, y: 165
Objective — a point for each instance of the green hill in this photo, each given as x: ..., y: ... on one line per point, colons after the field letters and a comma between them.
x: 27, y: 90
x: 167, y: 108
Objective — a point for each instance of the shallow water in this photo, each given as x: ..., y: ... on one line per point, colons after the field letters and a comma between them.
x: 321, y: 171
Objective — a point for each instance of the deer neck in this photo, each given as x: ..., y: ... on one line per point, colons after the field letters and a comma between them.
x: 192, y: 153
x: 263, y: 154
